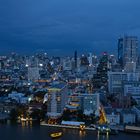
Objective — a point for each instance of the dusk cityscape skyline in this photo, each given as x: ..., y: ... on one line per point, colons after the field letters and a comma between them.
x: 69, y: 69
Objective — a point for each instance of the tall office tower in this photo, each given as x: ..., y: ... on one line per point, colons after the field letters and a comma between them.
x: 100, y: 78
x: 127, y: 50
x: 75, y: 59
x: 90, y: 59
x: 84, y: 61
x: 57, y: 99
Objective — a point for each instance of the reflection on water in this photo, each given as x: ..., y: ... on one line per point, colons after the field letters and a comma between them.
x: 103, y: 137
x: 26, y: 124
x: 82, y: 133
x: 36, y: 132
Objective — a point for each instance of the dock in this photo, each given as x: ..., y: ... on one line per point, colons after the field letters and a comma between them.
x: 132, y: 129
x: 65, y: 126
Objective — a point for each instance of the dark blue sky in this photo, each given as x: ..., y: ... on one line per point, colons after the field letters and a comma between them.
x: 62, y: 26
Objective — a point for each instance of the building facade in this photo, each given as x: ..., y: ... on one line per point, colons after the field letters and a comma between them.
x: 127, y: 50
x: 57, y: 100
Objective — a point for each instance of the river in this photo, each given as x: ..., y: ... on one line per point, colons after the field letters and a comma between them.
x: 18, y: 132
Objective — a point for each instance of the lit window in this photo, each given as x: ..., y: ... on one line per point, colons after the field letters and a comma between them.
x: 58, y: 99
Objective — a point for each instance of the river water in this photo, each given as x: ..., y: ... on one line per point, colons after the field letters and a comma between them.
x: 18, y: 132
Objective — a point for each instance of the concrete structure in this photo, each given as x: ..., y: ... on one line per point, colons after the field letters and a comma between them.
x: 129, y: 118
x: 113, y: 118
x: 67, y: 64
x: 127, y: 50
x: 33, y: 73
x: 57, y: 100
x: 116, y: 79
x: 132, y: 89
x: 90, y: 103
x: 137, y: 110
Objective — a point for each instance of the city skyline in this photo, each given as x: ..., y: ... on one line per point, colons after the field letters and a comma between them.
x: 61, y: 27
x: 69, y: 69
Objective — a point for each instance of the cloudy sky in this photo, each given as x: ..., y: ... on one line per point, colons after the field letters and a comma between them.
x: 60, y: 27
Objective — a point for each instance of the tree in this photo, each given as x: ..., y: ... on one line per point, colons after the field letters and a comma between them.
x: 66, y: 115
x: 13, y: 115
x: 38, y: 114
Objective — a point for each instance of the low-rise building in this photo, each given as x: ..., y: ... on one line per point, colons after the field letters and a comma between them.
x: 90, y: 103
x: 113, y: 118
x: 128, y: 117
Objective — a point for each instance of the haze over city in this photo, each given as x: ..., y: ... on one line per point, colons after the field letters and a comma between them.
x: 60, y: 27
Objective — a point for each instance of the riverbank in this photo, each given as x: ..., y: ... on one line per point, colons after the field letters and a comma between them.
x: 41, y: 132
x: 65, y: 126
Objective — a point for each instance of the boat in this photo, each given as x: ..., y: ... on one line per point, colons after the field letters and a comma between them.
x: 56, y: 134
x: 107, y: 131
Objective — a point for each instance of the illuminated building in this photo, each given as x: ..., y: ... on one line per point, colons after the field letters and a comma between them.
x: 57, y: 99
x: 90, y: 103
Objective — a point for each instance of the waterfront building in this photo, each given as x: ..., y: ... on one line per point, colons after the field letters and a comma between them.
x: 87, y: 102
x: 128, y: 117
x: 136, y: 109
x: 57, y: 99
x: 90, y: 103
x: 113, y: 118
x: 72, y: 123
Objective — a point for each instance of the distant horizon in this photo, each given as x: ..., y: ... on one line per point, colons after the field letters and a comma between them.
x: 79, y: 53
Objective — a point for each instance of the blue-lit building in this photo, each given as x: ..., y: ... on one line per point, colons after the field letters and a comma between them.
x: 127, y: 50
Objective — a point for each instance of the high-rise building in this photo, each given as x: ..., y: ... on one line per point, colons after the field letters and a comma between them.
x: 57, y: 99
x: 75, y: 59
x: 127, y: 50
x: 90, y: 59
x: 116, y: 79
x: 101, y: 77
x: 84, y: 60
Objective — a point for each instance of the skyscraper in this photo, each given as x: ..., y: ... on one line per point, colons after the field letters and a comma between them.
x: 127, y: 50
x: 75, y: 58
